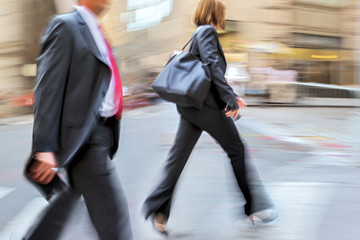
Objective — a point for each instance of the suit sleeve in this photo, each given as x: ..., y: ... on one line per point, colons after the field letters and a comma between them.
x: 209, y: 53
x: 52, y: 70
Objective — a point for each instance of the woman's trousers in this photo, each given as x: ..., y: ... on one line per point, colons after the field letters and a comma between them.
x: 192, y: 123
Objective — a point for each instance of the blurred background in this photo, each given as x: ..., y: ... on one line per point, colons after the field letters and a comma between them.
x: 279, y: 51
x: 296, y: 62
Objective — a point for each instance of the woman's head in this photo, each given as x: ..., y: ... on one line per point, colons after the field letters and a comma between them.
x: 210, y: 12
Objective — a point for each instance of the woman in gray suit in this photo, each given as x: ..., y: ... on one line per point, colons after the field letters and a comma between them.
x: 215, y: 117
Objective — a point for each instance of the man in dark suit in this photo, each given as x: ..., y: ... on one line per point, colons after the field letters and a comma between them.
x: 78, y: 104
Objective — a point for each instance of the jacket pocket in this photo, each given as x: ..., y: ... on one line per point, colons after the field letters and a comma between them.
x: 73, y: 121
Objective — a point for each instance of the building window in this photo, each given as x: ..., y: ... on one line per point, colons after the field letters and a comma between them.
x: 316, y: 41
x: 327, y: 3
x: 145, y: 13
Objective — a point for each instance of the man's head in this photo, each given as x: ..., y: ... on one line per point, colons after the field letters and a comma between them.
x: 96, y: 6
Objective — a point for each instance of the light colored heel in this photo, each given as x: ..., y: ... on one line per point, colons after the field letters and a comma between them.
x: 159, y: 221
x: 265, y: 216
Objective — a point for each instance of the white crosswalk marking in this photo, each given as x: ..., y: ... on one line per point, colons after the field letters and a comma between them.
x: 5, y: 191
x: 16, y: 228
x: 301, y: 205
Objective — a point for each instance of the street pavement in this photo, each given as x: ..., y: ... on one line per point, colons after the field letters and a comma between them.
x: 308, y: 159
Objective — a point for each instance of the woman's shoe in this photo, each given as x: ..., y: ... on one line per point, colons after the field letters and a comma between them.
x: 264, y: 216
x: 159, y: 221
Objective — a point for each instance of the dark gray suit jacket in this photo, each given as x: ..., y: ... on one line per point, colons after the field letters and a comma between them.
x: 207, y: 48
x: 72, y: 80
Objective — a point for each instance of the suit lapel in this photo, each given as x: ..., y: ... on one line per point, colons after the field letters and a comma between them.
x: 85, y: 31
x: 222, y: 52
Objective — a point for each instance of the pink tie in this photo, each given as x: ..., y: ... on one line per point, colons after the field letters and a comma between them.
x: 116, y: 74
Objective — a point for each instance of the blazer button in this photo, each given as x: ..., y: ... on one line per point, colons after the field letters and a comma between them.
x: 103, y: 94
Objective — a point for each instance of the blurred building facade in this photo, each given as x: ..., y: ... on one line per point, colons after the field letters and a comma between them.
x: 317, y: 38
x: 21, y: 23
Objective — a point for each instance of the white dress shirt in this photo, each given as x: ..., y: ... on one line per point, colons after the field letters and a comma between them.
x: 108, y: 107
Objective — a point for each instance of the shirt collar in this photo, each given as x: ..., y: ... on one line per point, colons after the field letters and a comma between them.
x: 87, y: 14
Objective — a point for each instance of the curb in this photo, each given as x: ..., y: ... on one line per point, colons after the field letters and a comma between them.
x: 25, y: 119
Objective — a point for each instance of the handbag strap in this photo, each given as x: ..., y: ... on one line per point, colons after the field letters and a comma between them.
x: 192, y: 37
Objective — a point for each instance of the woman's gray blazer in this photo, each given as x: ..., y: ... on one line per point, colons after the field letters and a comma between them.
x: 207, y: 47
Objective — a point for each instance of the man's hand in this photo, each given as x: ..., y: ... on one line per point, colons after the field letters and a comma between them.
x: 234, y: 113
x: 42, y: 169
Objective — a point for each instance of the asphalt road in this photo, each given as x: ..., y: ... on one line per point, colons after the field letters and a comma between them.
x: 308, y: 159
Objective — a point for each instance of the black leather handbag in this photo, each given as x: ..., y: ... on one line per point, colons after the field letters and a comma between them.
x: 185, y: 80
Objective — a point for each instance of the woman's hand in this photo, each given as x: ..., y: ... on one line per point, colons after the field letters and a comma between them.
x: 234, y: 113
x: 241, y: 102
